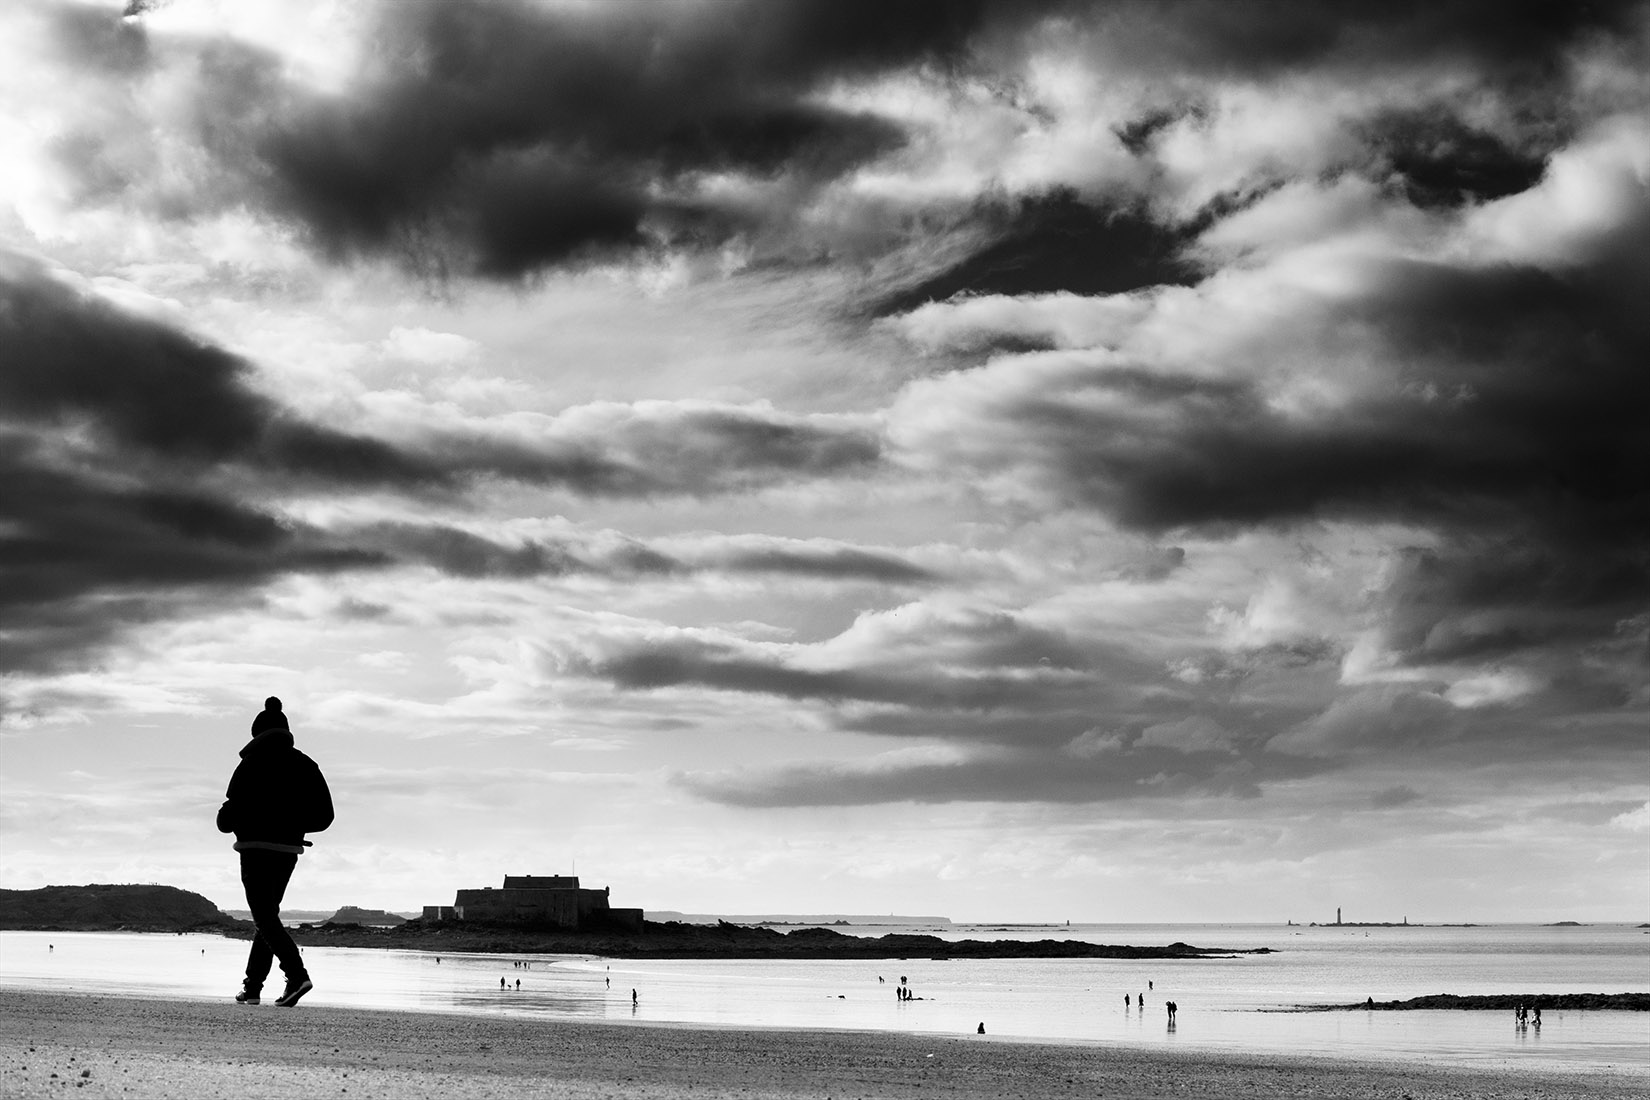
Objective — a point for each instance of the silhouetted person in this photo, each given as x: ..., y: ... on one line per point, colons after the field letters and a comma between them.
x: 518, y: 985
x: 635, y: 999
x: 276, y: 795
x: 1173, y: 1008
x: 1126, y: 1001
x: 981, y: 1029
x: 501, y: 983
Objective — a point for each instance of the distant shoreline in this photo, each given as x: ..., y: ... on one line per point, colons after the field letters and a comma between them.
x: 676, y: 941
x: 1499, y: 1002
x: 730, y: 941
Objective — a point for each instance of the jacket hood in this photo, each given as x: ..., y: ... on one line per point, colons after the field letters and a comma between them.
x: 268, y: 739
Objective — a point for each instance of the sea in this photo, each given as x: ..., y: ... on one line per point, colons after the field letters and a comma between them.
x: 1255, y: 1003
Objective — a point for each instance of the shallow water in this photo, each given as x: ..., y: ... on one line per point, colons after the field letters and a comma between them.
x: 1224, y: 1004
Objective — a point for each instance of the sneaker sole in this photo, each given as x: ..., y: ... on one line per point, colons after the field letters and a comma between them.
x: 287, y: 1000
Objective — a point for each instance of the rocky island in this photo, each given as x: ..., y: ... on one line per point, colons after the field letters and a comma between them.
x: 106, y: 907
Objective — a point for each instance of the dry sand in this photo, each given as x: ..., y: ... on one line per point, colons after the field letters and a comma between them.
x: 85, y: 1045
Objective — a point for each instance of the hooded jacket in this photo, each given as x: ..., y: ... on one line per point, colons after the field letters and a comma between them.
x: 276, y: 795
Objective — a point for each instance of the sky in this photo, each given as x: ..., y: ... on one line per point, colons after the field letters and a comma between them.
x: 1011, y: 461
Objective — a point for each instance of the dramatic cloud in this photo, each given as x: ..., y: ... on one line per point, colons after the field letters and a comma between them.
x: 1200, y: 441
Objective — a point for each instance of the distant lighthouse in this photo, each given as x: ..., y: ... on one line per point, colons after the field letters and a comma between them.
x: 1337, y: 914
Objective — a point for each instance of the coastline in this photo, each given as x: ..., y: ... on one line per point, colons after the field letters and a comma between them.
x: 120, y: 1046
x: 674, y: 940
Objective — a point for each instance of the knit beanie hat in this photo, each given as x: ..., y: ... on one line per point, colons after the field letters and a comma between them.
x: 270, y: 718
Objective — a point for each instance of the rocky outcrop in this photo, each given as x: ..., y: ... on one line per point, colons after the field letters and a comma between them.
x: 101, y: 907
x: 372, y: 918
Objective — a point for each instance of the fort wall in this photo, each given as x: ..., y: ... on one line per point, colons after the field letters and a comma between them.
x: 555, y: 901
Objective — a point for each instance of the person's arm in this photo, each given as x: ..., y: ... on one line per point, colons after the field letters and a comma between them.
x: 227, y: 813
x: 320, y: 807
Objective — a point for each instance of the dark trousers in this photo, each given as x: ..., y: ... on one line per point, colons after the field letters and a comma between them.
x: 265, y: 875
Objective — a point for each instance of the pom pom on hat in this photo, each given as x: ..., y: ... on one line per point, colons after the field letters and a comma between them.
x: 270, y: 717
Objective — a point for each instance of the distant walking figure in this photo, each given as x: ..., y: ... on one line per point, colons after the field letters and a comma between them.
x: 276, y: 795
x: 518, y: 984
x: 634, y: 998
x: 981, y: 1029
x: 1151, y: 985
x: 1173, y: 1008
x: 501, y: 983
x: 1126, y: 1001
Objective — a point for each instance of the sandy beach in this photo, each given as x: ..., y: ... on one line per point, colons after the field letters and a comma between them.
x: 131, y: 1047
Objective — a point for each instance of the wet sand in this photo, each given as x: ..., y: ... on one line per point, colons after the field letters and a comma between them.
x: 86, y: 1045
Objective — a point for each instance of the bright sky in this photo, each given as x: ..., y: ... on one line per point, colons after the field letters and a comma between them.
x: 1047, y: 461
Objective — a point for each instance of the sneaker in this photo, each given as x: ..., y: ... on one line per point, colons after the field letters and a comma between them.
x: 294, y: 990
x: 247, y: 997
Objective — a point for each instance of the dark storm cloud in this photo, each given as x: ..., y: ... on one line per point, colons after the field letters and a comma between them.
x: 1439, y: 161
x: 1224, y: 39
x: 498, y: 138
x: 938, y: 666
x: 84, y: 557
x: 1519, y: 424
x: 1020, y: 777
x: 1054, y: 242
x: 467, y: 554
x: 71, y: 361
x: 505, y: 136
x: 688, y: 663
x: 657, y: 447
x: 825, y: 561
x: 136, y: 459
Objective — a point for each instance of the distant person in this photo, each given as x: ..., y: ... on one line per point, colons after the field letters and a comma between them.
x: 501, y: 983
x: 276, y: 795
x: 1151, y: 985
x: 981, y: 1029
x: 635, y: 998
x: 518, y: 985
x: 1126, y: 1001
x: 1173, y: 1008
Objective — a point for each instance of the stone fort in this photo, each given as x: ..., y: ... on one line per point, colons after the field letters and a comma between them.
x: 545, y: 900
